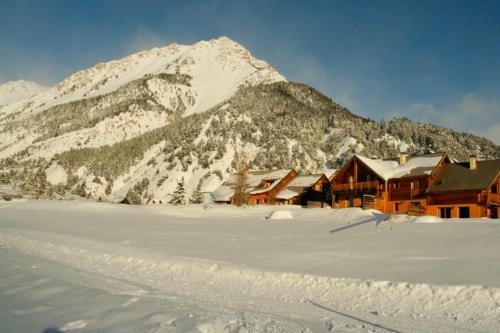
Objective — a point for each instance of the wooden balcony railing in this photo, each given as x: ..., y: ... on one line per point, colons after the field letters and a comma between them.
x: 405, y: 194
x: 356, y: 186
x: 493, y: 198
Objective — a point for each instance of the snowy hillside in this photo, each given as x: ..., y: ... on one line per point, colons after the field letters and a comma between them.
x: 99, y: 267
x: 136, y: 126
x: 15, y: 91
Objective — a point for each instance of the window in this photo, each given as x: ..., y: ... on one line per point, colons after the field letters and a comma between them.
x: 415, y: 205
x: 416, y: 184
x: 463, y: 212
x: 494, y: 188
x: 445, y: 212
x: 494, y: 212
x: 396, y: 207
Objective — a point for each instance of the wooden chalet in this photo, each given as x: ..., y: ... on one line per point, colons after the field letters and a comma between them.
x: 407, y: 188
x: 466, y: 189
x: 356, y: 184
x: 262, y: 186
x: 390, y: 186
x: 306, y: 190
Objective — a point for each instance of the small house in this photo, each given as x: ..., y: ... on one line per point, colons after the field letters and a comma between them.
x: 466, y: 189
x: 261, y: 187
x: 306, y: 190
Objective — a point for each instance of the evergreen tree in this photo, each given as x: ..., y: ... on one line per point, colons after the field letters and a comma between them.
x: 133, y: 198
x: 178, y: 196
x: 197, y: 197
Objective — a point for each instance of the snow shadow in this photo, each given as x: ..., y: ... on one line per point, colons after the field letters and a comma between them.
x: 377, y: 218
x: 51, y: 330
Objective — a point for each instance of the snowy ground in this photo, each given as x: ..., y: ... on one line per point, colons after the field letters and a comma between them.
x: 96, y: 267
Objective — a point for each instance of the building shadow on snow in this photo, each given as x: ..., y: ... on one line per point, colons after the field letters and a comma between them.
x: 377, y: 218
x: 51, y: 330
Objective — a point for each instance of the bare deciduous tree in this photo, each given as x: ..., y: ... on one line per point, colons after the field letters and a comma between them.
x: 242, y: 180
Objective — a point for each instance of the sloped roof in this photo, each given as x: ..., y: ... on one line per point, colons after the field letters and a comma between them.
x: 297, y: 185
x: 286, y: 194
x: 223, y: 193
x: 459, y: 176
x: 255, y: 178
x: 414, y: 166
x: 305, y: 180
x: 383, y: 168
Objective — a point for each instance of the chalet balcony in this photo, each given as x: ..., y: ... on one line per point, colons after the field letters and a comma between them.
x: 365, y: 187
x: 493, y: 198
x: 405, y: 194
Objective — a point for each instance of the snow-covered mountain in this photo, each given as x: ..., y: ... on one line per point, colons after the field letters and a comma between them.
x: 15, y: 91
x: 136, y: 126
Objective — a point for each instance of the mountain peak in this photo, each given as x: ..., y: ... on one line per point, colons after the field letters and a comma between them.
x: 15, y: 91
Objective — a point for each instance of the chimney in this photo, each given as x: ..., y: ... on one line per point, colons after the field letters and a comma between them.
x: 402, y: 158
x: 472, y: 162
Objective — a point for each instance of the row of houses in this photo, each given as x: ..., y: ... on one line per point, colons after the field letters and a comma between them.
x: 429, y: 184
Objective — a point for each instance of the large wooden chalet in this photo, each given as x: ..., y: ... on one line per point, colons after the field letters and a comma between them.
x: 428, y: 184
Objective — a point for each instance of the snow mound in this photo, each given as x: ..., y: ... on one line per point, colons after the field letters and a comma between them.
x: 428, y: 219
x: 280, y: 215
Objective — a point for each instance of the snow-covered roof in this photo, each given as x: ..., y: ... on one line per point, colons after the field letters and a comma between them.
x: 422, y: 164
x: 417, y: 162
x: 286, y: 194
x: 255, y: 179
x: 329, y: 173
x: 223, y: 193
x: 297, y: 185
x: 382, y: 168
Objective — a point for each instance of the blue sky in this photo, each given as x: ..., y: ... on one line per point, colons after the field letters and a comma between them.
x: 435, y: 61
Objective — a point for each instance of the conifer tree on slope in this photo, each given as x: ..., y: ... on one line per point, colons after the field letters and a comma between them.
x: 178, y: 195
x: 197, y: 196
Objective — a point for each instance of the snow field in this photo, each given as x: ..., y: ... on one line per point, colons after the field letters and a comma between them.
x: 289, y: 274
x: 213, y: 280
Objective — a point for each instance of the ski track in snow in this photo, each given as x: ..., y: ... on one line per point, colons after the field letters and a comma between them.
x: 43, y: 267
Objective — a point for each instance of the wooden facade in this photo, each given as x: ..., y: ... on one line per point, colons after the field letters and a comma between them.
x: 357, y: 185
x: 467, y: 201
x: 408, y: 194
x: 307, y: 191
x: 265, y: 192
x: 467, y: 192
